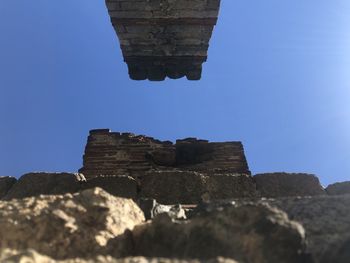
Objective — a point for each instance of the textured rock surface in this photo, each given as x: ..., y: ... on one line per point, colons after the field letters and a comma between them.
x: 6, y: 182
x: 67, y: 226
x: 326, y: 220
x: 288, y: 184
x: 31, y: 256
x: 224, y: 186
x: 338, y: 188
x: 164, y: 38
x: 34, y: 184
x: 342, y: 254
x: 173, y: 187
x: 246, y: 233
x: 112, y: 153
x: 117, y: 185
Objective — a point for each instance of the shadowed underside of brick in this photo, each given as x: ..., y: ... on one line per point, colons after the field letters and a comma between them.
x: 164, y: 38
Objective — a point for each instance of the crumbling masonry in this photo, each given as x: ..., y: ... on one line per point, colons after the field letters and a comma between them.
x: 164, y: 38
x: 109, y: 153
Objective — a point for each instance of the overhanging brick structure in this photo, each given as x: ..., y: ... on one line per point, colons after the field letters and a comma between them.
x: 114, y: 153
x: 164, y: 38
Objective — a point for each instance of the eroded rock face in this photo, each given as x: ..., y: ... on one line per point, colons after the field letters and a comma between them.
x: 6, y: 182
x: 68, y: 226
x: 342, y: 254
x: 247, y: 233
x: 117, y: 185
x: 173, y: 187
x: 338, y: 188
x: 224, y: 186
x: 34, y: 184
x: 164, y: 38
x: 326, y: 220
x: 288, y: 184
x: 31, y: 256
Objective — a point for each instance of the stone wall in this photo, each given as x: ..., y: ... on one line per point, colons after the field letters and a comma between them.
x: 164, y: 38
x: 113, y: 153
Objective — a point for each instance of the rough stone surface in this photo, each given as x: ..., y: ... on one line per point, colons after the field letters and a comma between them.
x: 68, y: 226
x: 342, y: 254
x: 326, y: 220
x: 211, y: 157
x: 288, y: 184
x: 113, y: 153
x: 224, y: 186
x: 173, y: 187
x: 117, y: 185
x: 6, y: 182
x: 164, y: 38
x: 339, y: 188
x: 34, y: 184
x: 31, y: 256
x: 151, y: 209
x: 247, y: 233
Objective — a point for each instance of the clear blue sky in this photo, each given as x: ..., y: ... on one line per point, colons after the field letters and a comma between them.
x: 277, y: 78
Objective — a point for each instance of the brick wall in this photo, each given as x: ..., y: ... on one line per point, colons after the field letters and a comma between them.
x: 113, y: 153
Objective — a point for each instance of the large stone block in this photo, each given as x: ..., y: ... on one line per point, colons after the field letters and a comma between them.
x: 339, y: 188
x: 326, y: 220
x: 226, y: 186
x: 288, y: 184
x: 34, y: 184
x: 174, y: 187
x: 117, y: 185
x: 6, y: 182
x: 68, y: 226
x: 186, y: 187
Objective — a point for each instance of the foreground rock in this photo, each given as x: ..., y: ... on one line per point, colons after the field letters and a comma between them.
x: 339, y: 188
x: 34, y: 184
x: 6, y: 182
x: 326, y: 220
x: 288, y: 184
x: 31, y: 256
x: 173, y: 187
x: 247, y: 233
x: 117, y: 185
x: 67, y: 226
